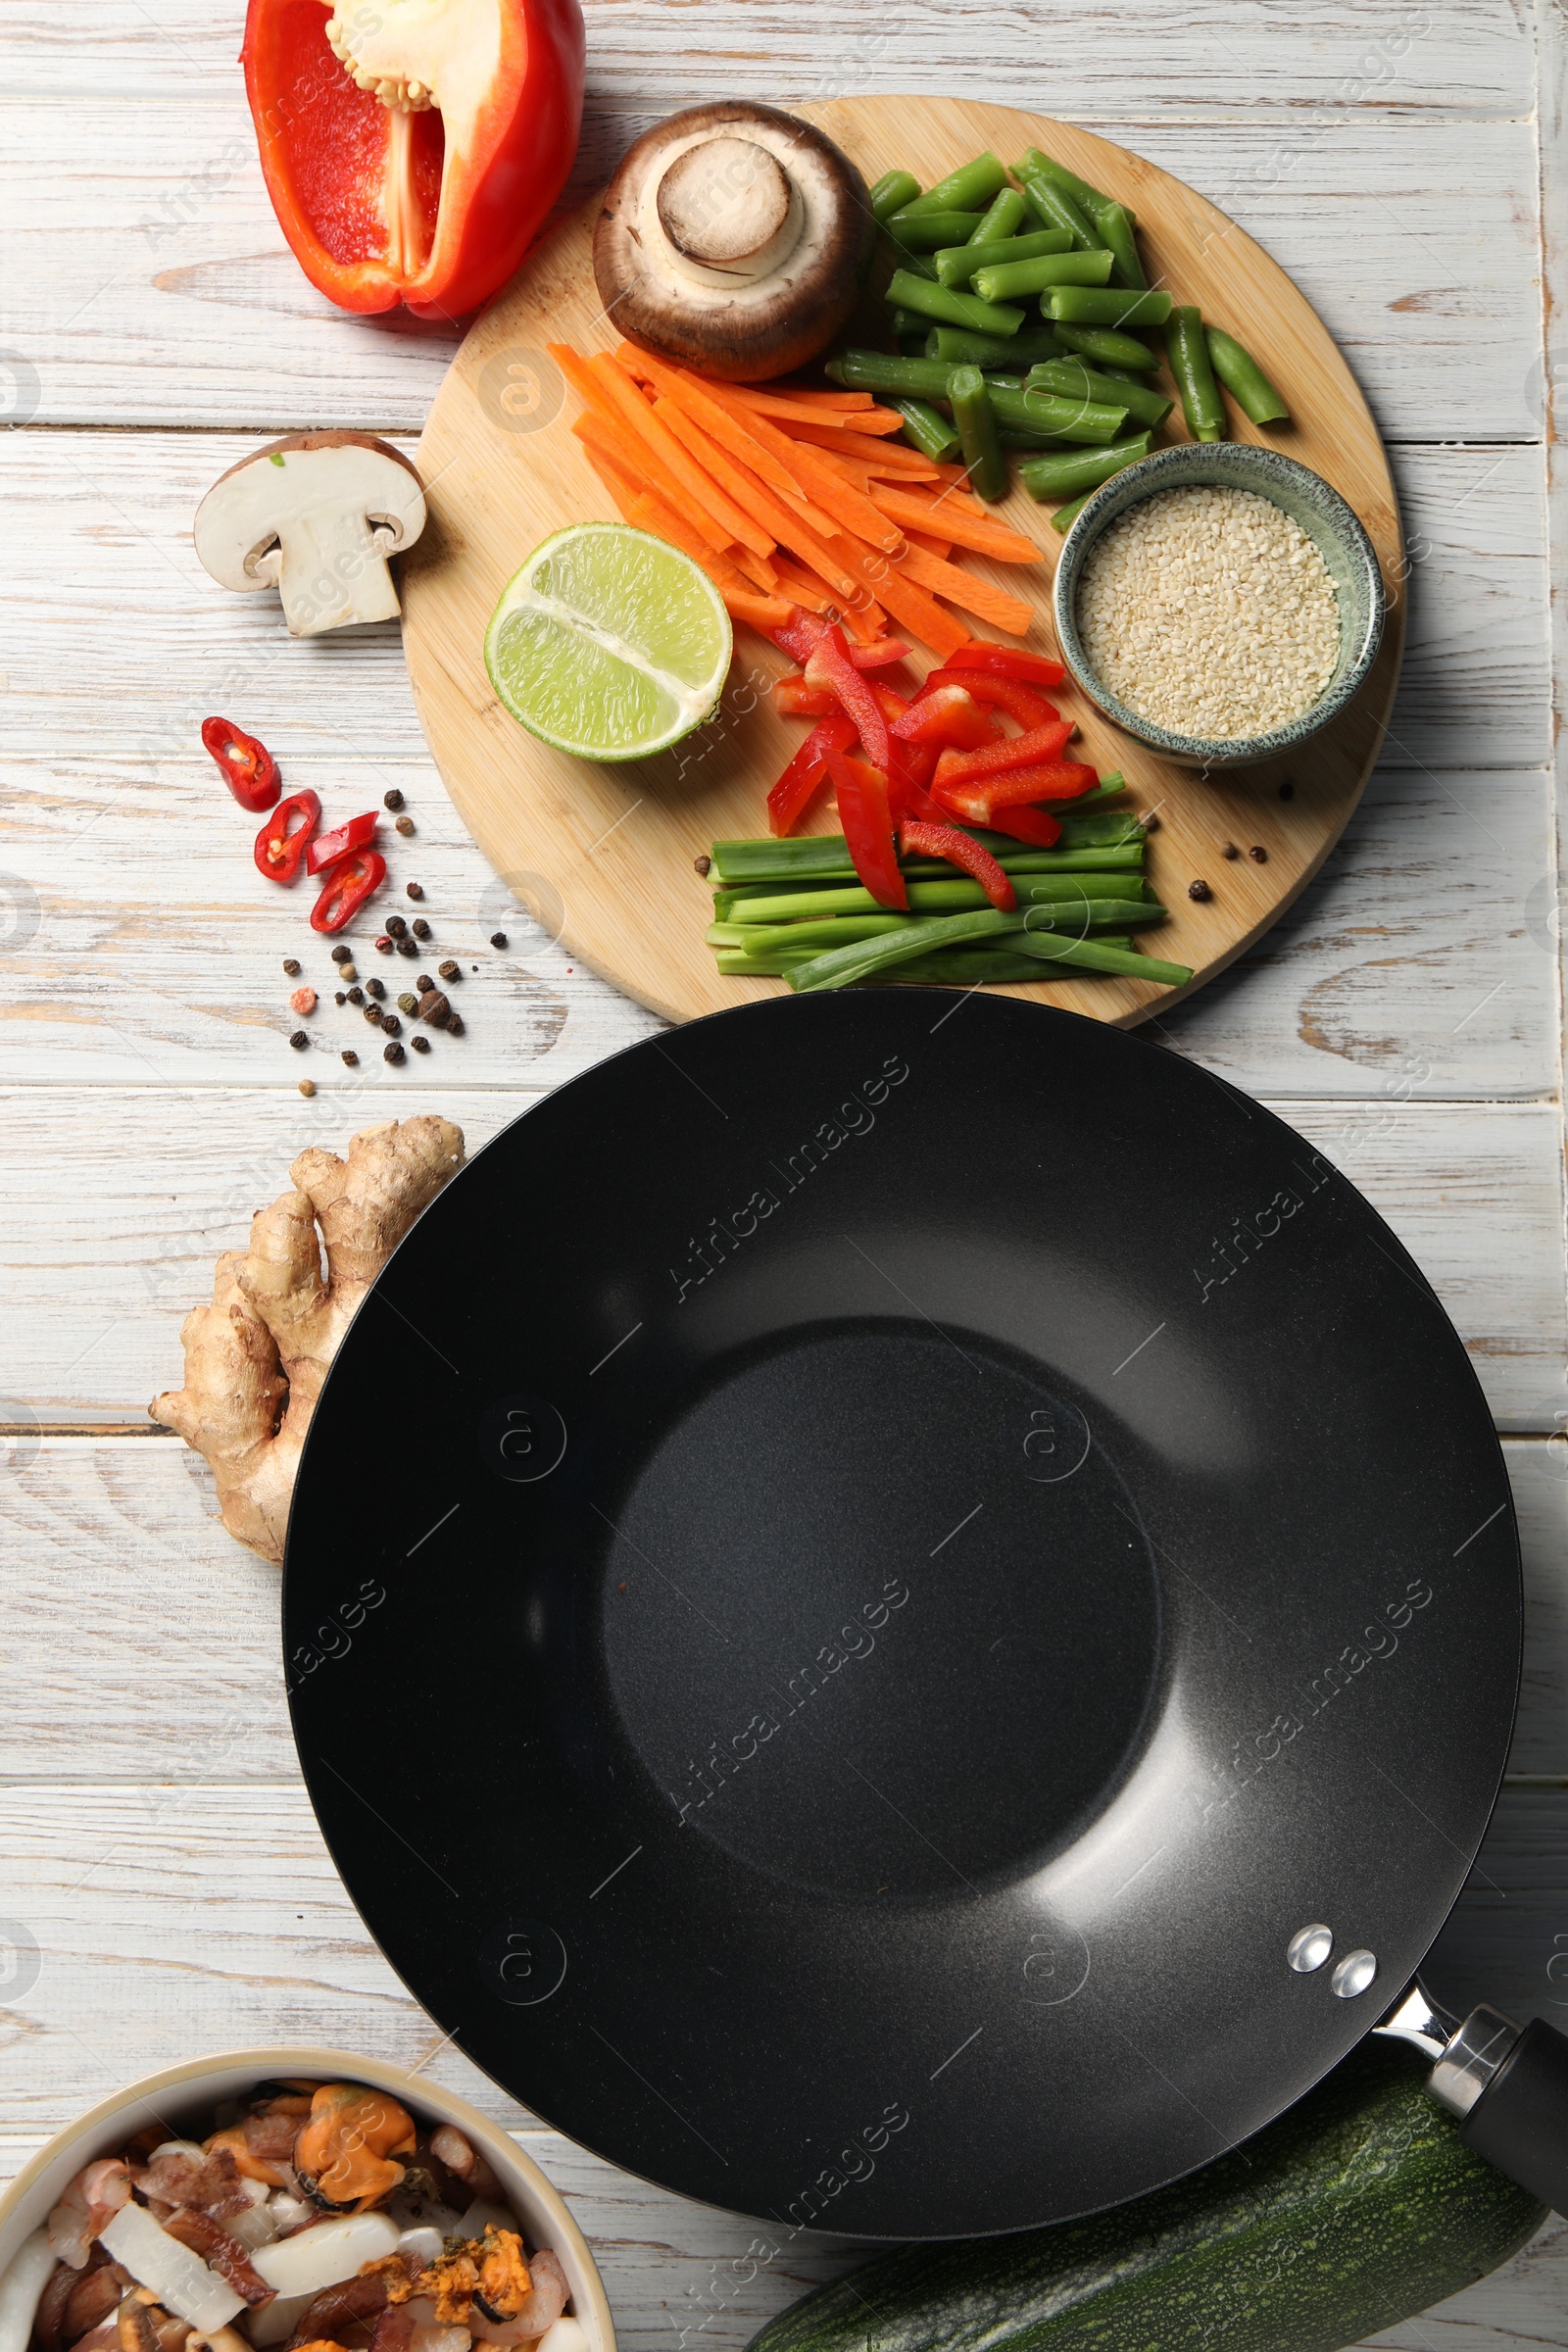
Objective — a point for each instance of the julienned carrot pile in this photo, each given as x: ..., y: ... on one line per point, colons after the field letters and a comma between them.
x: 793, y: 500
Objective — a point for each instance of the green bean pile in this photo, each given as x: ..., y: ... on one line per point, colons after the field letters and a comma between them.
x: 794, y: 910
x: 973, y: 379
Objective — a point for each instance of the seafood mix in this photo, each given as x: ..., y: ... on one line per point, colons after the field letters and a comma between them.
x: 316, y: 2217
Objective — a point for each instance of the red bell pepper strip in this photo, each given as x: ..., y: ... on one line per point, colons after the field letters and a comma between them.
x: 1013, y: 750
x: 327, y: 848
x: 1037, y: 826
x: 347, y: 887
x: 788, y: 800
x: 830, y: 666
x: 249, y: 769
x: 279, y: 849
x: 867, y: 823
x: 1000, y: 693
x: 977, y: 802
x: 797, y: 636
x: 906, y: 793
x: 945, y: 841
x: 950, y: 716
x: 432, y: 204
x: 793, y: 699
x: 881, y: 655
x: 1007, y: 662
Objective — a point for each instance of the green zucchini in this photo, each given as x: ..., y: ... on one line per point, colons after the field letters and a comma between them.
x: 1357, y: 2209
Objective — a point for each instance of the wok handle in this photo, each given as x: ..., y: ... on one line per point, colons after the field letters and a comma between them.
x: 1519, y: 2119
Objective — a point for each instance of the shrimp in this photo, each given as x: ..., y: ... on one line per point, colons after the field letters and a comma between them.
x: 539, y: 2309
x: 92, y: 2198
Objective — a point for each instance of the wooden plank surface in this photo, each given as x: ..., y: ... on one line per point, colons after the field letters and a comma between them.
x: 1405, y: 1015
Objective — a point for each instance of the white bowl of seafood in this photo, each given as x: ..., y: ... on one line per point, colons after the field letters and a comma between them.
x: 295, y: 2200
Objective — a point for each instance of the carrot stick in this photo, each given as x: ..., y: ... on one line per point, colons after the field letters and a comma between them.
x: 881, y: 456
x: 819, y: 481
x: 775, y: 404
x: 708, y: 453
x: 828, y: 400
x: 694, y: 397
x: 606, y: 437
x: 931, y: 546
x: 639, y: 415
x: 785, y: 519
x: 577, y: 373
x: 906, y: 601
x: 860, y: 475
x: 765, y: 613
x: 986, y: 537
x: 760, y: 571
x: 804, y: 586
x: 970, y: 594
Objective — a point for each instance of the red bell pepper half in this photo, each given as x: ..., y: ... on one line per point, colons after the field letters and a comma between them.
x: 1037, y: 826
x: 867, y: 822
x: 348, y: 886
x: 1000, y: 693
x: 431, y: 196
x: 248, y: 768
x: 830, y: 666
x: 787, y: 802
x: 1007, y: 662
x: 947, y: 716
x: 1013, y: 750
x: 981, y: 802
x: 327, y: 848
x: 282, y: 842
x: 946, y: 842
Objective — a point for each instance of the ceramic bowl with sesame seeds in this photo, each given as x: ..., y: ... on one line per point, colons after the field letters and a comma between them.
x: 1219, y: 603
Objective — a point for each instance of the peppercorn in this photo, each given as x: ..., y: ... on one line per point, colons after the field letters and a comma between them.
x: 408, y: 1002
x: 1287, y: 790
x: 392, y: 800
x: 407, y: 947
x: 1198, y: 890
x: 351, y: 1058
x: 420, y: 1045
x: 391, y: 1025
x: 498, y: 939
x: 342, y: 952
x: 376, y: 989
x: 373, y: 1013
x: 346, y: 971
x: 450, y: 970
x: 396, y: 927
x: 434, y: 1008
x: 393, y: 1053
x: 405, y: 826
x: 291, y: 966
x: 299, y: 1040
x: 1230, y: 850
x: 419, y: 927
x: 356, y: 995
x: 1150, y: 824
x: 455, y: 1024
x: 338, y: 996
x: 1258, y: 855
x: 383, y: 946
x: 415, y: 890
x: 424, y: 984
x: 704, y: 865
x: 307, y: 1087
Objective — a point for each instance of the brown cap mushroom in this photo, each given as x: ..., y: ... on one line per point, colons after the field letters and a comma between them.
x: 314, y: 515
x: 733, y: 239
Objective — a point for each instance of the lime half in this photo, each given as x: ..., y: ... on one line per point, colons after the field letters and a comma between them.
x: 609, y: 643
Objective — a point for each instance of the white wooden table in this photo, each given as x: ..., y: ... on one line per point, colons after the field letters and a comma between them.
x: 165, y: 1886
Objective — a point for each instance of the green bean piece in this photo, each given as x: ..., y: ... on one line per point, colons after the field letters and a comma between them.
x: 1011, y: 281
x: 922, y: 233
x: 955, y: 265
x: 983, y: 460
x: 892, y: 192
x: 1244, y: 379
x: 909, y: 322
x: 928, y: 429
x: 1065, y: 517
x: 1100, y: 956
x: 1073, y: 377
x: 1108, y: 306
x: 1052, y: 210
x: 1022, y: 411
x: 970, y: 188
x: 959, y: 348
x: 1031, y: 444
x: 1008, y: 210
x: 1068, y: 473
x: 1037, y: 164
x: 952, y: 308
x: 1105, y: 347
x: 881, y: 373
x: 1115, y: 227
x: 1188, y: 356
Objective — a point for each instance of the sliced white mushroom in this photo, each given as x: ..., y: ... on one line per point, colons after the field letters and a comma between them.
x: 180, y: 2278
x: 24, y: 2283
x: 316, y: 516
x: 323, y: 2256
x: 733, y: 238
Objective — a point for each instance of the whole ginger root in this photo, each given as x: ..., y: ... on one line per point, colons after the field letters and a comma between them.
x: 255, y: 1358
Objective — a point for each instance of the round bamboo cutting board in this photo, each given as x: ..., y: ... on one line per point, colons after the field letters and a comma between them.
x: 604, y: 855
